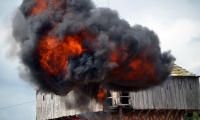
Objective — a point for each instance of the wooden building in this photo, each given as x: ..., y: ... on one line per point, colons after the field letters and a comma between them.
x: 178, y: 95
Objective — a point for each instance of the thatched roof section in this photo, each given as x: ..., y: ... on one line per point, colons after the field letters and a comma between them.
x: 179, y: 71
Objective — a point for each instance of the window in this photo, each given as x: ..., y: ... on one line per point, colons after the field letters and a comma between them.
x: 124, y: 98
x: 109, y: 99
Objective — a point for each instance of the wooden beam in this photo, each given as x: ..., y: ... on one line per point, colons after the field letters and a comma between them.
x: 183, y: 113
x: 176, y: 114
x: 167, y: 117
x: 130, y: 116
x: 147, y: 114
x: 121, y: 117
x: 138, y: 117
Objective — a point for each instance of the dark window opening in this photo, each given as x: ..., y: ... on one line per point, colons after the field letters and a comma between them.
x: 109, y: 99
x: 125, y: 98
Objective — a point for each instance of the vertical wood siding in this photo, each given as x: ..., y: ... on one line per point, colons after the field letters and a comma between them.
x: 175, y: 93
x: 180, y: 93
x: 53, y: 106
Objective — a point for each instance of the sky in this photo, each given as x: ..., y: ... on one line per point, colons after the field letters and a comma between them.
x: 177, y: 24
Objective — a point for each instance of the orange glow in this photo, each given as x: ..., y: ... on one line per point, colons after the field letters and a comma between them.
x: 101, y: 95
x: 53, y: 53
x: 141, y: 69
x: 119, y: 55
x: 39, y: 7
x: 55, y: 2
x: 138, y: 69
x: 114, y: 57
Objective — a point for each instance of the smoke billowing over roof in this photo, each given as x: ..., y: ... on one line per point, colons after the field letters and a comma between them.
x: 71, y: 44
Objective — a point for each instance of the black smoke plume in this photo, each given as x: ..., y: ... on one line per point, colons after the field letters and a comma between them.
x: 113, y: 54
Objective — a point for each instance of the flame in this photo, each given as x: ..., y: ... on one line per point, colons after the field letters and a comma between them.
x: 139, y: 68
x: 119, y: 55
x: 39, y: 7
x: 101, y: 95
x: 53, y: 53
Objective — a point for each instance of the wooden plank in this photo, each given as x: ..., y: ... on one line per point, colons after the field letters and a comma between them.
x: 141, y: 101
x: 177, y: 92
x: 43, y: 107
x: 154, y: 97
x: 193, y: 93
x: 62, y: 106
x: 197, y: 97
x: 47, y: 105
x: 133, y: 99
x: 56, y: 107
x: 38, y: 104
x: 52, y: 103
x: 157, y: 97
x: 168, y: 96
x: 184, y: 93
x: 181, y: 93
x: 145, y: 99
x: 197, y: 94
x: 172, y: 93
x: 137, y: 102
x: 150, y: 98
x: 163, y: 95
x: 70, y: 106
x: 191, y: 85
x: 188, y: 96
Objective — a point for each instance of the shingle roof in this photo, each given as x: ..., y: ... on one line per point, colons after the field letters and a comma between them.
x: 179, y: 71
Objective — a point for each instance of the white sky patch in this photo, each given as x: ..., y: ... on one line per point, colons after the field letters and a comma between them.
x: 177, y: 37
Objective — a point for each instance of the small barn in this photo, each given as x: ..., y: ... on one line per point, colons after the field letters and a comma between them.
x: 178, y: 95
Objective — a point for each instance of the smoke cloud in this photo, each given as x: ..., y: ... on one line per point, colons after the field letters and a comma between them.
x: 71, y: 44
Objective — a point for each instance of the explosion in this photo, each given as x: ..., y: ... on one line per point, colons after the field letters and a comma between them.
x: 71, y: 44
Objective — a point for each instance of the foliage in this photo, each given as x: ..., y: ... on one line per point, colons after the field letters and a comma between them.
x: 194, y: 117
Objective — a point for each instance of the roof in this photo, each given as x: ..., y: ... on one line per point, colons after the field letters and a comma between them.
x: 179, y: 71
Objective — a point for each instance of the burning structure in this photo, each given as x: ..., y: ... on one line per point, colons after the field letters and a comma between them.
x: 71, y: 45
x: 178, y: 95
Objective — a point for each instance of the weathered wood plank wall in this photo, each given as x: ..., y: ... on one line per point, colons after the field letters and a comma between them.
x: 180, y: 93
x: 175, y: 93
x: 51, y: 106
